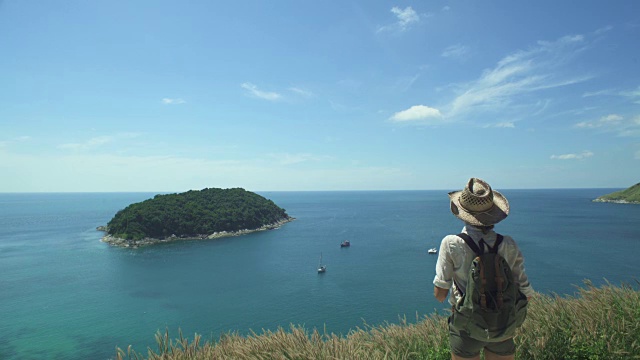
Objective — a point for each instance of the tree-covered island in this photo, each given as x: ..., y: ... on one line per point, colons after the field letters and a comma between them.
x: 630, y: 195
x: 196, y: 214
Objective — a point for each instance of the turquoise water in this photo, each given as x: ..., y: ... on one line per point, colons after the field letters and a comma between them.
x: 66, y: 295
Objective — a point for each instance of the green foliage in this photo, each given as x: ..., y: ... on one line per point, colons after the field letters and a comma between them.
x: 195, y: 214
x: 631, y: 194
x: 600, y: 324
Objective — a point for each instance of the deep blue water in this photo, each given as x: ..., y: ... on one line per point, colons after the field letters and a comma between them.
x: 66, y: 295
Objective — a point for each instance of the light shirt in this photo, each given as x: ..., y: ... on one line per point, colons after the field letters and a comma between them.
x: 455, y: 258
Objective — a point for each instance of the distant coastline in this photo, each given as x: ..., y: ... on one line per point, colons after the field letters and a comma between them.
x: 630, y: 195
x: 134, y: 244
x: 616, y: 201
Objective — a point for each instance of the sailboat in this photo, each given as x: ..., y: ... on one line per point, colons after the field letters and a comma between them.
x: 321, y: 268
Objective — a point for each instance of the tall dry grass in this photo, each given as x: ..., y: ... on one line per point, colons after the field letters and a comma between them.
x: 599, y: 323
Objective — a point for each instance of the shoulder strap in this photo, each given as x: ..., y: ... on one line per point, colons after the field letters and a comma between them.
x: 480, y: 250
x: 471, y: 244
x: 493, y: 249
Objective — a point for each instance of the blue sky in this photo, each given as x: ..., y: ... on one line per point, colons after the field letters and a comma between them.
x: 318, y: 95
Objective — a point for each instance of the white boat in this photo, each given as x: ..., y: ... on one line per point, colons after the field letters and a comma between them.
x: 433, y: 251
x: 321, y: 268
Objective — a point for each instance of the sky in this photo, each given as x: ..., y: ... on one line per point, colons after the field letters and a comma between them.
x: 295, y: 95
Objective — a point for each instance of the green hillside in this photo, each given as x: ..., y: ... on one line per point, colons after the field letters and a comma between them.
x: 195, y: 214
x: 630, y: 195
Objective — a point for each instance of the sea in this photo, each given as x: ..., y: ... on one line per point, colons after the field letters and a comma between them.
x: 64, y: 294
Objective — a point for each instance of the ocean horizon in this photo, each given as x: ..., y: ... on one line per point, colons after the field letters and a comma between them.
x: 67, y: 295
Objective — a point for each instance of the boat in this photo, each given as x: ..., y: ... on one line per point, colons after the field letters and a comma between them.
x: 345, y: 243
x: 433, y: 251
x: 321, y: 268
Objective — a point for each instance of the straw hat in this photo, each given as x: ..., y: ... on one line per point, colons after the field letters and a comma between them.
x: 478, y: 204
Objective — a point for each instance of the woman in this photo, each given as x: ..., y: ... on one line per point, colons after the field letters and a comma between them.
x: 480, y: 208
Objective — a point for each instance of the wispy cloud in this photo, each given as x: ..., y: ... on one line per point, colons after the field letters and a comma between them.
x: 173, y: 101
x: 614, y: 123
x: 301, y: 92
x: 599, y: 93
x: 405, y: 83
x: 583, y: 155
x: 266, y: 95
x: 517, y: 74
x: 9, y: 142
x: 634, y: 95
x: 290, y: 159
x: 416, y: 113
x: 96, y: 142
x: 89, y: 144
x: 504, y: 124
x: 405, y: 18
x: 455, y: 51
x: 605, y: 121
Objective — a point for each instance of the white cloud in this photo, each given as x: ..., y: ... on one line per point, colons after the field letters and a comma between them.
x: 518, y: 74
x: 605, y: 121
x: 633, y: 94
x: 598, y: 93
x: 455, y: 51
x: 301, y: 92
x: 504, y: 124
x: 405, y: 83
x: 96, y: 142
x: 583, y: 155
x: 253, y: 90
x: 416, y: 113
x: 625, y: 127
x: 175, y: 101
x: 405, y: 18
x: 89, y: 144
x: 603, y: 30
x: 289, y: 159
x: 612, y: 118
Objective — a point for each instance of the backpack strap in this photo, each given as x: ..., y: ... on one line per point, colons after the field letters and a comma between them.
x: 498, y: 275
x: 493, y: 249
x: 478, y: 251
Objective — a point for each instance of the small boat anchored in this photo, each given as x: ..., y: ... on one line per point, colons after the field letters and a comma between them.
x: 345, y: 243
x: 433, y: 251
x: 321, y: 268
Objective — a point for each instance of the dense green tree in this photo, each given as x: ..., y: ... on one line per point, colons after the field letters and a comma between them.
x: 195, y: 213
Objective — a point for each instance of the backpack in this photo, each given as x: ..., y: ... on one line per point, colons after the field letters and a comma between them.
x: 493, y: 305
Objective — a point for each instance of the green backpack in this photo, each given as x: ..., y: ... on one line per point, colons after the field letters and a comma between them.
x: 493, y: 305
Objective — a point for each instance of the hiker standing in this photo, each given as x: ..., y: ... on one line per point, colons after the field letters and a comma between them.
x: 487, y: 265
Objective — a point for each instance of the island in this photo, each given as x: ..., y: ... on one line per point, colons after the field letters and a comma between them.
x: 197, y: 214
x: 630, y: 195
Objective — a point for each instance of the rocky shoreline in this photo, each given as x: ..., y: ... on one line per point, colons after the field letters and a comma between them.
x: 134, y: 244
x: 616, y: 201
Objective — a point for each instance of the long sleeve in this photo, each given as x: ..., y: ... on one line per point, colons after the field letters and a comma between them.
x: 444, y: 267
x: 516, y: 262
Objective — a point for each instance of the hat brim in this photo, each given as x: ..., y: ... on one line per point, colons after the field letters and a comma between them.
x: 498, y: 212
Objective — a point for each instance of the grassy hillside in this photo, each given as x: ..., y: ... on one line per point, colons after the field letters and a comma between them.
x: 631, y: 195
x: 600, y: 323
